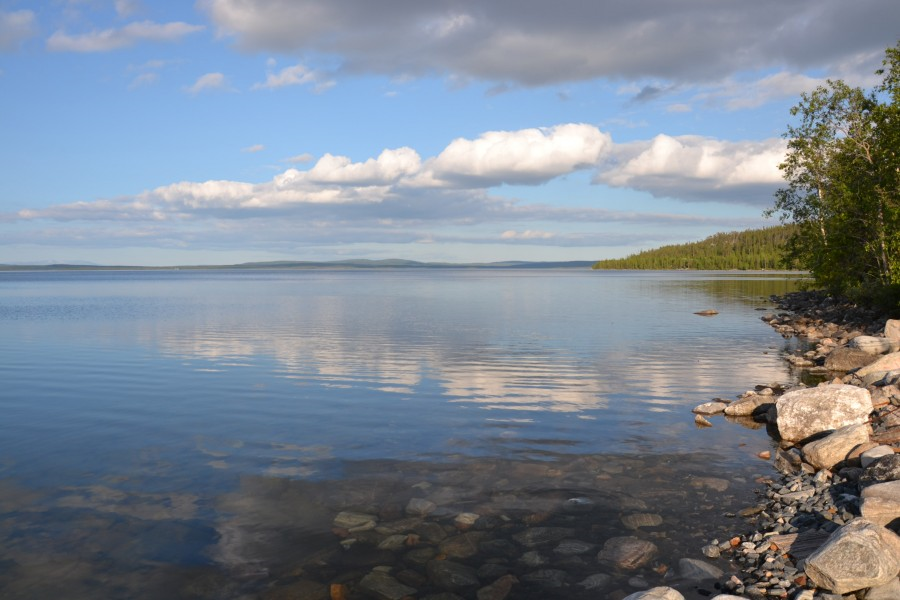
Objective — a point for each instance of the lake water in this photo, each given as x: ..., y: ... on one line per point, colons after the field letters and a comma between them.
x: 192, y: 434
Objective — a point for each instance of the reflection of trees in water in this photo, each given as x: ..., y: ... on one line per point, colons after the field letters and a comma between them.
x: 742, y: 288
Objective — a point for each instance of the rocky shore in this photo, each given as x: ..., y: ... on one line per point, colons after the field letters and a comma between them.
x: 825, y: 526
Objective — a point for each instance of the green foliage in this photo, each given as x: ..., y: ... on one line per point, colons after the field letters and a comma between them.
x: 754, y: 249
x: 842, y: 171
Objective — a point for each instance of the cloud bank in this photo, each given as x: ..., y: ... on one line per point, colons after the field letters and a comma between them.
x: 538, y: 43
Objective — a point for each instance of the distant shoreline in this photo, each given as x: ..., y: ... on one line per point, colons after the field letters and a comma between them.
x: 312, y: 265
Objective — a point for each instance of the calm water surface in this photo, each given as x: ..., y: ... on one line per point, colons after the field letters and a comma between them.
x: 194, y: 433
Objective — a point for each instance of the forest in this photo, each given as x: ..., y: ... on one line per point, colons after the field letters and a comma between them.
x: 754, y: 249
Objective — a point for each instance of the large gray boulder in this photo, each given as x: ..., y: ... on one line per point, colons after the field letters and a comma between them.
x: 836, y: 446
x: 859, y: 555
x: 807, y: 412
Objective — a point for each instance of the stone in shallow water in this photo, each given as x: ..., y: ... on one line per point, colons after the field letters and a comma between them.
x: 847, y: 359
x: 861, y: 554
x: 420, y: 507
x: 546, y: 578
x: 383, y: 586
x: 573, y: 548
x: 638, y: 520
x: 627, y: 552
x: 538, y: 536
x: 578, y: 505
x: 657, y: 593
x: 498, y: 590
x: 462, y: 546
x: 354, y: 521
x: 710, y: 408
x: 595, y: 582
x: 697, y: 570
x: 453, y: 576
x: 713, y: 483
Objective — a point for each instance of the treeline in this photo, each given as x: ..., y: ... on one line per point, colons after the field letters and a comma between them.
x: 754, y: 249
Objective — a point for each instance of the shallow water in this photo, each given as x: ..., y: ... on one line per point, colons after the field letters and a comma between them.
x: 193, y: 433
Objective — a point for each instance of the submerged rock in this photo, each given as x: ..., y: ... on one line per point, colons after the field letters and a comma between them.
x: 657, y: 593
x: 627, y: 552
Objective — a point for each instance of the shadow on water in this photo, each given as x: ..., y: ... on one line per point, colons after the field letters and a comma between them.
x: 543, y: 522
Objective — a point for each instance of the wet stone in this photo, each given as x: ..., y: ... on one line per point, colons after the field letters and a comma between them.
x: 353, y: 521
x: 499, y: 548
x: 627, y: 552
x: 462, y: 546
x: 546, y: 578
x: 419, y: 556
x: 533, y: 559
x: 498, y: 590
x: 573, y: 547
x: 452, y: 576
x: 383, y: 586
x: 698, y: 570
x: 578, y: 505
x: 538, y: 536
x: 595, y: 582
x: 638, y: 520
x: 420, y: 507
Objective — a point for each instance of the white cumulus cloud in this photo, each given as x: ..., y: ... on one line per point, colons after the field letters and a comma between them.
x: 523, y: 156
x: 113, y: 39
x: 389, y: 167
x: 295, y: 75
x: 697, y: 168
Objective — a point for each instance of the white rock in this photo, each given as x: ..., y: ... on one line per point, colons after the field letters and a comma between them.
x: 881, y: 502
x: 892, y: 330
x: 806, y: 412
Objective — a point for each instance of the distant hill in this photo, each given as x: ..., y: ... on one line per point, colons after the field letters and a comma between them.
x: 753, y: 249
x: 340, y: 264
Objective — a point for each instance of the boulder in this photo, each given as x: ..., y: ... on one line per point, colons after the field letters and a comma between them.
x: 881, y: 502
x: 804, y: 413
x: 748, y: 405
x: 859, y: 555
x: 835, y: 447
x: 878, y: 369
x: 873, y: 454
x: 886, y: 468
x: 627, y: 552
x: 888, y: 591
x: 871, y: 344
x: 657, y: 593
x: 848, y: 359
x: 892, y: 330
x: 498, y: 590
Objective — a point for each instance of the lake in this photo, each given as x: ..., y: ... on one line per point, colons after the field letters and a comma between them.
x: 194, y: 434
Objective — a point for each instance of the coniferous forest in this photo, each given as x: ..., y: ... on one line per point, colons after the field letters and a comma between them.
x: 753, y: 249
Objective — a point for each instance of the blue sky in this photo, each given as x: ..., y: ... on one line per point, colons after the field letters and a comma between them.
x: 222, y: 131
